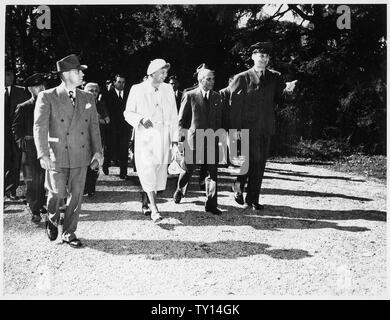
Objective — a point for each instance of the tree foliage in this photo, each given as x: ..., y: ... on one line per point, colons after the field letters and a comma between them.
x: 341, y: 93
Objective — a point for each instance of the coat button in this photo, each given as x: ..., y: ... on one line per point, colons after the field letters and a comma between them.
x: 66, y: 147
x: 67, y: 133
x: 82, y: 146
x: 86, y: 120
x: 82, y: 132
x: 62, y: 120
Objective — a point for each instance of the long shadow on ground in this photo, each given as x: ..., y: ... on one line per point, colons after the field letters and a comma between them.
x: 171, y: 249
x: 273, y: 218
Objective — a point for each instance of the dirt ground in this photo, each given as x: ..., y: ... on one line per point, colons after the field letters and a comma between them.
x: 322, y: 233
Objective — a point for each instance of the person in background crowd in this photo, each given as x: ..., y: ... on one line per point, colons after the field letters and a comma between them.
x: 253, y: 95
x: 67, y: 137
x: 151, y: 110
x: 119, y: 129
x: 225, y: 96
x: 200, y: 109
x: 178, y: 94
x: 13, y: 96
x: 22, y: 128
x: 104, y: 120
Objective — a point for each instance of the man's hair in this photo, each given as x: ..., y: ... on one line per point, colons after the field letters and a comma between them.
x: 203, y: 72
x: 119, y: 75
x: 91, y: 84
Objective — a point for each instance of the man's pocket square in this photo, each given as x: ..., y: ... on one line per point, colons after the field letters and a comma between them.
x: 88, y: 105
x: 51, y: 139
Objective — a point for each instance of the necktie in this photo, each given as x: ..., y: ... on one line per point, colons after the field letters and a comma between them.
x: 120, y: 95
x: 262, y: 77
x: 72, y: 98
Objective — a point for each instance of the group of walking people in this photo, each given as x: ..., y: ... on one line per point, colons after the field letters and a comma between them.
x: 66, y: 134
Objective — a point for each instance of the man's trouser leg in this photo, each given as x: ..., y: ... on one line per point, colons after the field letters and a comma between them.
x: 34, y: 178
x: 62, y: 183
x: 124, y: 152
x: 211, y: 186
x: 184, y: 177
x: 256, y: 168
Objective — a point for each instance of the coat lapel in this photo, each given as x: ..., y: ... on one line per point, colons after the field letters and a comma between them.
x: 78, y: 108
x: 65, y: 107
x: 200, y: 101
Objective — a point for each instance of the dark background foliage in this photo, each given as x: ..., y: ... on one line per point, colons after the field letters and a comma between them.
x: 338, y: 107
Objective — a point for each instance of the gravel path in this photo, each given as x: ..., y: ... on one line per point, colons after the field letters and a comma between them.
x: 321, y: 233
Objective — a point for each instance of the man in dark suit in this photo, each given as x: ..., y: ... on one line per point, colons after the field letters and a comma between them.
x: 13, y: 96
x: 254, y: 93
x: 202, y: 168
x: 119, y: 129
x: 200, y: 110
x: 22, y: 128
x: 178, y: 94
x: 67, y: 138
x: 225, y: 97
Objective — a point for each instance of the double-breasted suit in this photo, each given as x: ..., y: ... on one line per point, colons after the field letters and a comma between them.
x: 33, y: 174
x: 13, y: 96
x: 197, y: 113
x: 252, y: 103
x: 70, y: 136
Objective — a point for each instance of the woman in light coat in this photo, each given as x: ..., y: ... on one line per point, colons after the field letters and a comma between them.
x: 151, y: 110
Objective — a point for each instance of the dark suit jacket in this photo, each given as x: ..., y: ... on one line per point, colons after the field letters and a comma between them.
x: 178, y: 98
x: 22, y: 128
x: 194, y: 114
x: 252, y: 103
x: 115, y: 108
x: 17, y: 95
x: 225, y: 98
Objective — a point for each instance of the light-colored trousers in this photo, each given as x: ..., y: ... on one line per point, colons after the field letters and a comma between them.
x: 65, y: 184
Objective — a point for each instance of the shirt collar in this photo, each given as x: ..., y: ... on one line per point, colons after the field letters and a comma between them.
x: 67, y: 90
x: 119, y: 92
x: 256, y: 74
x: 204, y: 92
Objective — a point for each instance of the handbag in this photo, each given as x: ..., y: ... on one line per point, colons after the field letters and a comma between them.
x: 175, y: 167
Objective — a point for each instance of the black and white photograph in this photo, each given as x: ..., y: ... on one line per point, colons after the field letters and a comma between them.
x: 202, y: 150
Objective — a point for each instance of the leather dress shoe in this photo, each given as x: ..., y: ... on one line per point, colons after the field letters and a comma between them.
x: 155, y: 216
x: 255, y: 206
x: 215, y: 211
x: 105, y: 170
x: 13, y: 197
x: 75, y: 243
x: 177, y: 196
x: 238, y: 197
x: 51, y: 230
x: 36, y: 218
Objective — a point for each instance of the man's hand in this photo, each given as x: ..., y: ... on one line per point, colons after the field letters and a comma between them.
x: 146, y: 123
x: 98, y: 157
x: 290, y: 86
x: 46, y: 163
x: 107, y: 120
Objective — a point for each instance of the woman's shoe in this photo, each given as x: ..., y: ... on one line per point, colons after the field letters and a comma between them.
x: 155, y: 216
